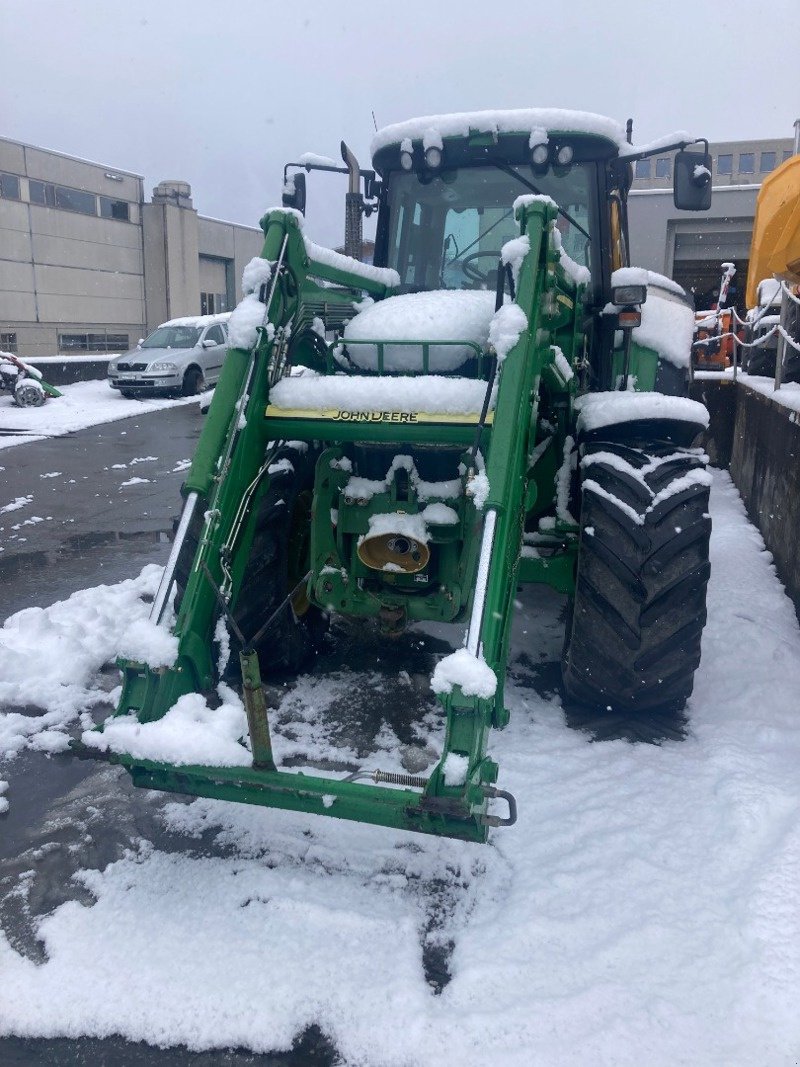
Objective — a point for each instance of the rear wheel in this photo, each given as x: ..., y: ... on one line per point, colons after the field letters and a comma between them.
x: 633, y: 638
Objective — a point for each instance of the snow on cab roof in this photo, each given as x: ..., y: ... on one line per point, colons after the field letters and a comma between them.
x: 519, y: 120
x: 535, y: 121
x: 198, y: 320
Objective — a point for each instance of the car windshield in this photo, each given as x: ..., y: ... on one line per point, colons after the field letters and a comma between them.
x: 446, y: 232
x: 173, y: 337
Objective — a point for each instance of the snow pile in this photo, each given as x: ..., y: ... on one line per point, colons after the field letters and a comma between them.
x: 769, y: 292
x: 358, y: 488
x: 49, y: 658
x: 667, y: 327
x: 440, y: 315
x: 190, y: 733
x: 472, y: 674
x: 513, y: 252
x: 455, y: 768
x: 313, y: 160
x: 440, y: 515
x: 597, y: 410
x: 562, y: 364
x: 328, y: 258
x: 508, y: 324
x: 629, y: 276
x: 397, y: 522
x: 579, y: 274
x: 245, y: 320
x: 258, y: 272
x: 80, y: 405
x: 146, y: 642
x: 432, y: 394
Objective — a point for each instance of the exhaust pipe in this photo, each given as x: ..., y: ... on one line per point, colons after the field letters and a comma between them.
x: 354, y: 206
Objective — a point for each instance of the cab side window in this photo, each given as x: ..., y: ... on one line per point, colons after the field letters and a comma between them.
x: 216, y: 335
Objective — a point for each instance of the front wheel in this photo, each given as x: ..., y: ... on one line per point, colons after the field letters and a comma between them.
x: 637, y: 617
x: 193, y: 383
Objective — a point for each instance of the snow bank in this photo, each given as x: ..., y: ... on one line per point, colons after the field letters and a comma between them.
x: 473, y: 675
x: 80, y: 405
x: 432, y: 394
x: 597, y: 410
x: 440, y: 315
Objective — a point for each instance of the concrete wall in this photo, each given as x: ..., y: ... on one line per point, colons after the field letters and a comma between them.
x: 759, y: 440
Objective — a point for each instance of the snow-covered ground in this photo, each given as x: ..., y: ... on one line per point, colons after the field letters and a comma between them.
x: 82, y: 404
x: 644, y: 909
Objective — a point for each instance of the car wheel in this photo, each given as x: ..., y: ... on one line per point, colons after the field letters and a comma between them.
x: 193, y: 383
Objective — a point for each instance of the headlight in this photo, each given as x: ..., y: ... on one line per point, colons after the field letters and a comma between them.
x: 406, y: 160
x: 539, y: 154
x: 433, y: 157
x: 169, y: 367
x: 565, y: 155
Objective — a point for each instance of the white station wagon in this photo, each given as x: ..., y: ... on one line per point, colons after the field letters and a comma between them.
x: 182, y: 356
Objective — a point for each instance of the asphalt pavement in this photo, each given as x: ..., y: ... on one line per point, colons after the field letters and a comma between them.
x: 83, y: 526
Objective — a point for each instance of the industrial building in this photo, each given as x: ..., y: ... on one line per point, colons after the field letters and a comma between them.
x: 88, y: 265
x: 688, y: 246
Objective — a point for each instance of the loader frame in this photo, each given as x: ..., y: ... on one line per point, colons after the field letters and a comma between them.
x: 228, y: 475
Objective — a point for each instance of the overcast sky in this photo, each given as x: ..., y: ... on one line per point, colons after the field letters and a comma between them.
x: 221, y: 94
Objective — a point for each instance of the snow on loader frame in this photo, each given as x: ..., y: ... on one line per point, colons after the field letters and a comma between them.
x: 499, y: 400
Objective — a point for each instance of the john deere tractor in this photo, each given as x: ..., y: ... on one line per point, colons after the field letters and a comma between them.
x: 411, y: 440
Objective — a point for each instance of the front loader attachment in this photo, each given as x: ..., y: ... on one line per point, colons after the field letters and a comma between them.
x: 230, y: 474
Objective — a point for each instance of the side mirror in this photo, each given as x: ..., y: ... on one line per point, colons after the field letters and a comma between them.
x: 209, y: 343
x: 691, y: 190
x: 294, y: 192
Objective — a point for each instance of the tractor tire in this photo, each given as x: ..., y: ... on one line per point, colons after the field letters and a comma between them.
x: 633, y: 633
x: 193, y: 382
x: 278, y: 559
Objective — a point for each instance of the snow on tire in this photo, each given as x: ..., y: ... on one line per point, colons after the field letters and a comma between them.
x: 633, y: 639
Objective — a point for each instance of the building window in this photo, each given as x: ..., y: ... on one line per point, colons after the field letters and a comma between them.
x: 767, y: 162
x: 663, y: 168
x: 41, y: 193
x: 213, y: 303
x: 62, y: 197
x: 76, y: 200
x: 747, y: 162
x: 115, y: 209
x: 8, y: 343
x: 93, y: 342
x: 725, y: 164
x: 642, y: 168
x: 9, y: 186
x: 787, y: 154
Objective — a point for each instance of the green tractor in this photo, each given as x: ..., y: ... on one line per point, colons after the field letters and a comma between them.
x: 499, y: 399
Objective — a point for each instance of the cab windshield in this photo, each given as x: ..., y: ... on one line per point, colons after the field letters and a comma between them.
x: 173, y: 337
x: 446, y: 231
